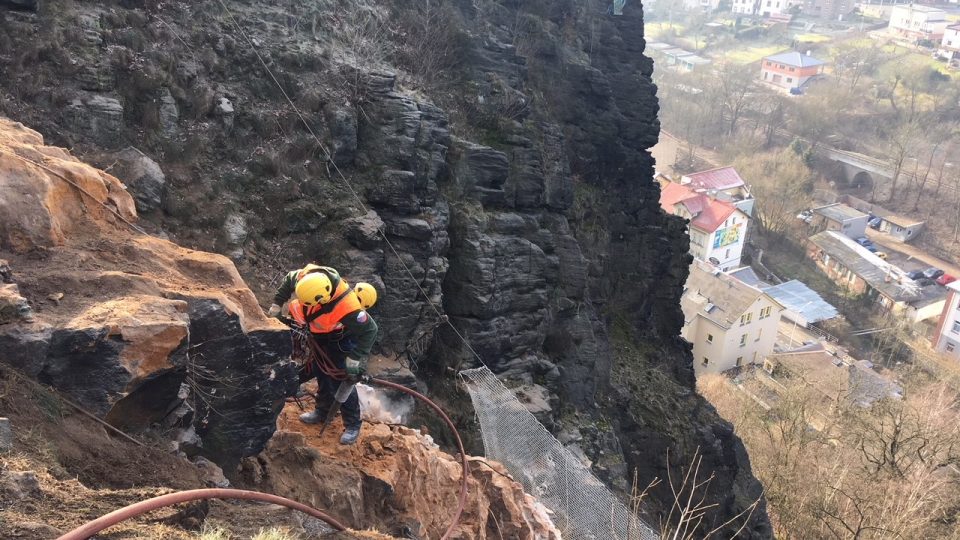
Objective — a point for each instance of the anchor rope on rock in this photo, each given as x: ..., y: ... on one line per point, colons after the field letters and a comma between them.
x: 329, y: 160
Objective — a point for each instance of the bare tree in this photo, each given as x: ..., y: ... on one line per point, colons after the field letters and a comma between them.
x: 781, y: 183
x: 730, y: 89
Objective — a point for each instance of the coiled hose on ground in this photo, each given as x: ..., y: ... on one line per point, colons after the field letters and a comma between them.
x: 86, y: 531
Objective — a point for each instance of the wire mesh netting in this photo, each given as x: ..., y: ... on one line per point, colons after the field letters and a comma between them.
x: 583, y: 507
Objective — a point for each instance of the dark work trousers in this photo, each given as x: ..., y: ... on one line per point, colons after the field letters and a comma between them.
x: 327, y: 387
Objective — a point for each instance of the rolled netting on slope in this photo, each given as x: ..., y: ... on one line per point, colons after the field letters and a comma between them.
x: 583, y: 507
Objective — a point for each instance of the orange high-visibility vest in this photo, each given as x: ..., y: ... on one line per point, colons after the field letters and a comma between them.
x: 328, y: 322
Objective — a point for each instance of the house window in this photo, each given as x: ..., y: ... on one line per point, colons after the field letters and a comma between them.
x: 789, y: 79
x: 765, y: 312
x: 709, y: 338
x: 739, y: 361
x: 956, y: 327
x: 792, y: 69
x: 743, y: 340
x: 706, y: 361
x: 727, y: 256
x: 746, y: 318
x: 950, y: 346
x: 759, y: 334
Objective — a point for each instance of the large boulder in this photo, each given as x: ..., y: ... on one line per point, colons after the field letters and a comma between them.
x: 135, y: 329
x: 143, y: 178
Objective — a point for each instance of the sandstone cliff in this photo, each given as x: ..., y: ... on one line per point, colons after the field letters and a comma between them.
x: 500, y: 145
x: 149, y: 335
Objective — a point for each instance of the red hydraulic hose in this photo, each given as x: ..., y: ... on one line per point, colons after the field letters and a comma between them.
x: 462, y: 502
x: 86, y: 531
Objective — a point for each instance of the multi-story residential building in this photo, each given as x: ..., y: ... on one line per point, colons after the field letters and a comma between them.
x: 790, y: 70
x: 946, y: 338
x: 826, y: 9
x: 729, y: 323
x: 744, y: 7
x: 950, y: 44
x: 717, y: 228
x: 705, y: 5
x: 771, y: 8
x: 915, y: 23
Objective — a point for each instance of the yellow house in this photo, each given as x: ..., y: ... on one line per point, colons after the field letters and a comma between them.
x: 728, y: 322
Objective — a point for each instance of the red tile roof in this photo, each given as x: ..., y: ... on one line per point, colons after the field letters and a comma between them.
x: 722, y: 178
x: 708, y: 213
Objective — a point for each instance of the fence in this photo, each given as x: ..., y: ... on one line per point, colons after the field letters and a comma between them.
x: 583, y: 506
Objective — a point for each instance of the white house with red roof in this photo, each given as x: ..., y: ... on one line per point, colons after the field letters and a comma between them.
x: 717, y: 227
x: 723, y: 183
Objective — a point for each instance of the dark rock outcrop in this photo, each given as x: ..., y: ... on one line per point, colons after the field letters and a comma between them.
x: 143, y: 178
x: 134, y: 329
x: 514, y: 182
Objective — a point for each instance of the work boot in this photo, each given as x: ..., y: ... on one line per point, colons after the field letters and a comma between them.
x: 313, y: 417
x: 350, y: 435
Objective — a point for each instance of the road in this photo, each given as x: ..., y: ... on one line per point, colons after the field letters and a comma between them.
x: 910, y: 257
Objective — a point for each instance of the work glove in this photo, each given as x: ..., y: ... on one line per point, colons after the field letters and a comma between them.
x: 274, y: 311
x: 355, y: 370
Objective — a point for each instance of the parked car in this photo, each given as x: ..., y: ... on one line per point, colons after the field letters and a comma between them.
x: 945, y: 279
x: 864, y: 241
x: 805, y: 216
x: 874, y: 223
x: 882, y: 254
x: 932, y: 273
x: 915, y: 274
x: 871, y: 248
x: 924, y: 282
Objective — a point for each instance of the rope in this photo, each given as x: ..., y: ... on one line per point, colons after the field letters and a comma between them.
x: 346, y: 182
x: 79, y: 409
x: 76, y: 186
x: 86, y: 531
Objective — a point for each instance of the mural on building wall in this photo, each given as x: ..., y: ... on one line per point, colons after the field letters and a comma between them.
x: 725, y: 237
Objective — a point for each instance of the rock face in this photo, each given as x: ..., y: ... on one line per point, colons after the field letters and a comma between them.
x: 397, y: 481
x: 143, y: 177
x: 511, y: 176
x: 123, y: 322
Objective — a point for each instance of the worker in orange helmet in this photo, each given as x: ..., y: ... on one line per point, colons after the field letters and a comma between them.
x: 336, y: 315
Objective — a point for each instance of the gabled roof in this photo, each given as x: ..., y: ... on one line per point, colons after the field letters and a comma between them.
x: 722, y: 178
x: 708, y: 213
x: 716, y: 296
x: 793, y: 58
x: 886, y: 278
x: 839, y: 212
x: 855, y: 382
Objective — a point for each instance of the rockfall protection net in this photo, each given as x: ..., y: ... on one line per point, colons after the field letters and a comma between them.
x: 583, y: 507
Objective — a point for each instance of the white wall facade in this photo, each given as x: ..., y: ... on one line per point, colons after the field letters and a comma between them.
x: 744, y: 7
x: 948, y: 341
x: 725, y: 245
x: 716, y: 349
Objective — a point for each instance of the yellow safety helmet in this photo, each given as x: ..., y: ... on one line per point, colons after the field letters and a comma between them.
x: 367, y: 294
x: 315, y: 288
